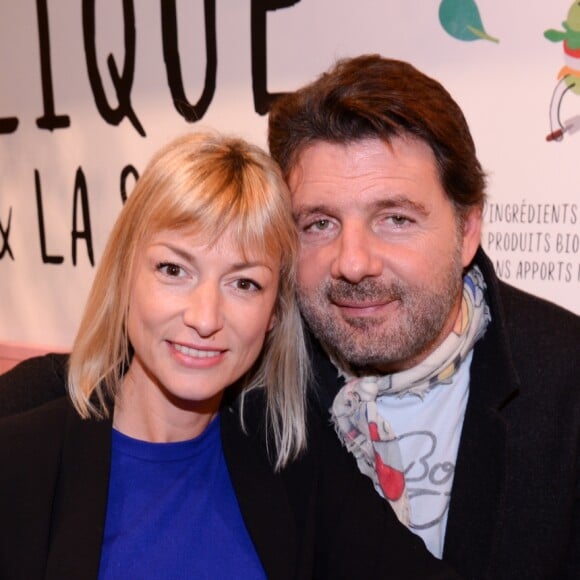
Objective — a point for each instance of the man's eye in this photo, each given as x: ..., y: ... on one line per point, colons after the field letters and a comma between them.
x: 322, y: 224
x: 170, y: 269
x: 399, y: 220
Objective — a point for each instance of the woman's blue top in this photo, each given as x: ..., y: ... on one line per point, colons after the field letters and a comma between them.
x: 172, y: 513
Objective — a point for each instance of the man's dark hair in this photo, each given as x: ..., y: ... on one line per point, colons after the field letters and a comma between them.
x: 374, y: 97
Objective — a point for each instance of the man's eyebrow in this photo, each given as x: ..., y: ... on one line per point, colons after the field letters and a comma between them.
x: 401, y: 202
x: 308, y: 210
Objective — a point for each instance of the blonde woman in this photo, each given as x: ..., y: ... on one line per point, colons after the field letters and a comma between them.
x: 181, y: 449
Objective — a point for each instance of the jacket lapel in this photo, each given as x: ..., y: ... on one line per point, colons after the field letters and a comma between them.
x: 261, y: 494
x: 326, y: 381
x: 477, y: 501
x: 81, y: 499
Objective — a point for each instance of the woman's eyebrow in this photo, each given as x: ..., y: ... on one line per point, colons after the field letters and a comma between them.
x: 191, y: 258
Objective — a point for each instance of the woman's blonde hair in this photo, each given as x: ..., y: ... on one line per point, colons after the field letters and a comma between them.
x: 205, y: 183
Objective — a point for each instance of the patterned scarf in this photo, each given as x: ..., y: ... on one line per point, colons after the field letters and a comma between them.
x: 367, y: 435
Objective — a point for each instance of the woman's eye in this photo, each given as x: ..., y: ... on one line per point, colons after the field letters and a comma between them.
x: 247, y: 284
x: 170, y: 269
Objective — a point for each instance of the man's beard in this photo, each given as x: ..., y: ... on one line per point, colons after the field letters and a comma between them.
x: 370, y: 345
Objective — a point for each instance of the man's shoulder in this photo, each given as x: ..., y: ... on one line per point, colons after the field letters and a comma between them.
x: 539, y: 340
x: 33, y: 434
x: 51, y: 412
x: 531, y: 315
x: 530, y: 341
x: 522, y: 313
x: 33, y: 382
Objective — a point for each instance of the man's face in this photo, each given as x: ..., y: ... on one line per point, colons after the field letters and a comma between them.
x: 382, y: 251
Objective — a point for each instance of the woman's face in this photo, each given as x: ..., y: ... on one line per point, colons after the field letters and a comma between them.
x: 198, y: 317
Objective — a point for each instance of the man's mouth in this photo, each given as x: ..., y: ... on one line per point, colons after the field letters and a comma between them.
x: 341, y: 303
x: 357, y: 308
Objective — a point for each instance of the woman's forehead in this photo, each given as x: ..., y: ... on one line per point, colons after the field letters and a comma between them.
x: 250, y: 248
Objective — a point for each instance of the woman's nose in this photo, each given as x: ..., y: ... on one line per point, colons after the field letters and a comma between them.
x: 203, y: 309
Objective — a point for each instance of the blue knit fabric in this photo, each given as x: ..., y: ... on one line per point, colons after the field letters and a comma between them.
x: 173, y: 514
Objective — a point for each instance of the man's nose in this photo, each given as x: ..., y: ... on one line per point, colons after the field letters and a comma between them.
x: 358, y: 254
x: 203, y: 310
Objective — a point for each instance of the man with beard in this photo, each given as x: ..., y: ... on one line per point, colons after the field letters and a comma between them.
x: 458, y: 395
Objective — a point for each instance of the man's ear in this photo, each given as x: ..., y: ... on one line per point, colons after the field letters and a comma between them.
x: 472, y: 222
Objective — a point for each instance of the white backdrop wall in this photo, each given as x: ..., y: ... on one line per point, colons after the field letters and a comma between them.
x: 74, y: 132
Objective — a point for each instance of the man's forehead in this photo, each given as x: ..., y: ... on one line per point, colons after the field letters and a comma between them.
x: 369, y: 172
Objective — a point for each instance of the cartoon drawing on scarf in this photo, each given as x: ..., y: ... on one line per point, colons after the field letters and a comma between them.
x: 569, y: 75
x: 461, y: 19
x: 388, y: 462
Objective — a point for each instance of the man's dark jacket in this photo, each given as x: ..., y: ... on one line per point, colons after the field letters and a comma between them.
x: 515, y: 505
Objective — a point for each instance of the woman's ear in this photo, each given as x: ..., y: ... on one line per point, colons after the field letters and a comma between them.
x: 273, y: 321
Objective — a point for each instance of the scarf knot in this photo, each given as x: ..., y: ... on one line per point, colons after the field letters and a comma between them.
x: 370, y: 437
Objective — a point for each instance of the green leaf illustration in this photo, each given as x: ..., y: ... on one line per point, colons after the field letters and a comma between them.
x: 461, y: 19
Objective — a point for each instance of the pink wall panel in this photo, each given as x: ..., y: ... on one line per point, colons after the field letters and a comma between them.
x: 12, y: 353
